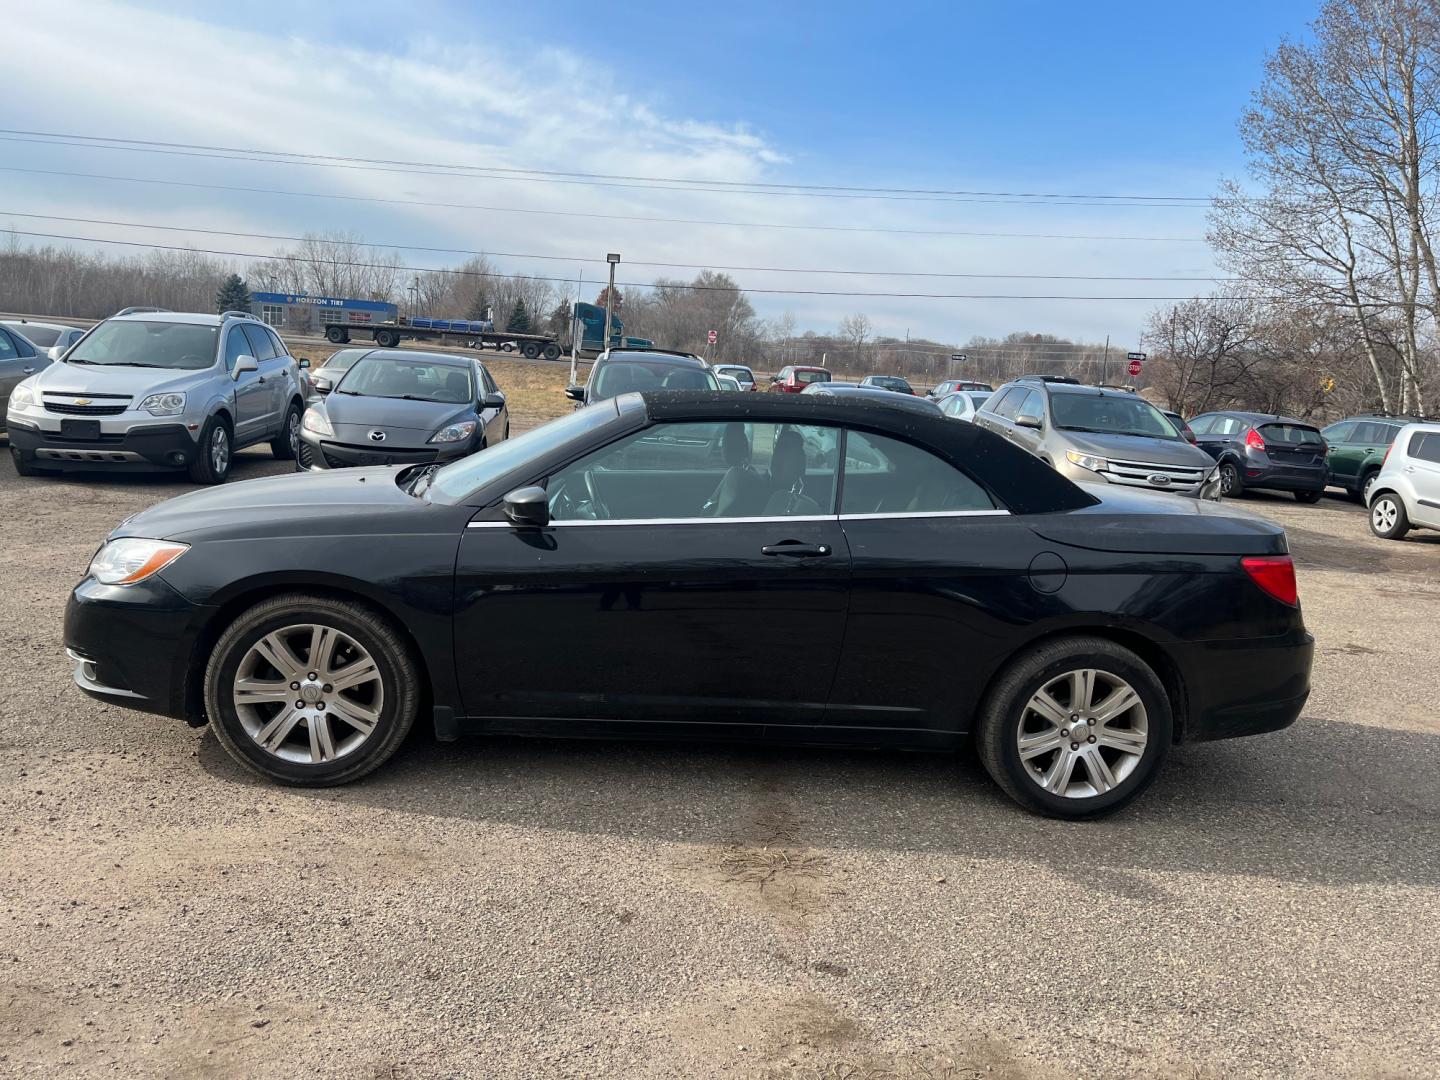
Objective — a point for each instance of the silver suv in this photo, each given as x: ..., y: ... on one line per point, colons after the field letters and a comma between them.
x: 1096, y: 435
x: 1406, y: 494
x: 159, y: 390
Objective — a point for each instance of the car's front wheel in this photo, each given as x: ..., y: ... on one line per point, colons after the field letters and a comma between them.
x: 1388, y: 519
x: 310, y: 690
x: 211, y: 464
x: 24, y: 463
x: 286, y: 445
x: 1075, y: 728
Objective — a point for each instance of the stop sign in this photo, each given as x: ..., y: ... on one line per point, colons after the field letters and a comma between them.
x: 712, y: 337
x: 1135, y: 367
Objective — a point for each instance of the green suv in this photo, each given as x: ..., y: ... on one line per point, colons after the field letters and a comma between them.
x: 1357, y: 450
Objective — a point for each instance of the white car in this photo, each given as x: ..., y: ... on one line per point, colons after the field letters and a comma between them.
x: 52, y: 339
x: 728, y: 382
x: 1406, y: 495
x: 962, y: 404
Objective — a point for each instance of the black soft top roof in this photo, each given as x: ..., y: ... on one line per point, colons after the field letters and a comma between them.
x: 1019, y: 480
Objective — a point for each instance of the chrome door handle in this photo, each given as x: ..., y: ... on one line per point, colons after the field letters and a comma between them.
x: 1409, y: 468
x: 29, y: 371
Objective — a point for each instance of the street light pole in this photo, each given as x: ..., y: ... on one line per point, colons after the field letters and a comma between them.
x: 613, y: 259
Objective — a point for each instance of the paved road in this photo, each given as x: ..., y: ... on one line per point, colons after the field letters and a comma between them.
x: 505, y: 908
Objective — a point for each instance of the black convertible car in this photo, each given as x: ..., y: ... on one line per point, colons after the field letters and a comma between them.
x: 923, y: 582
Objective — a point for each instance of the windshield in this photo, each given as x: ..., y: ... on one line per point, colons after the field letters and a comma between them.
x: 460, y: 478
x: 42, y: 336
x: 979, y: 399
x: 615, y: 377
x: 1110, y: 414
x: 133, y: 343
x: 804, y: 377
x: 888, y: 380
x: 739, y: 373
x: 1290, y: 433
x: 413, y: 380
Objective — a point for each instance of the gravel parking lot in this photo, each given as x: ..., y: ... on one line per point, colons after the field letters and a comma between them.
x: 520, y: 908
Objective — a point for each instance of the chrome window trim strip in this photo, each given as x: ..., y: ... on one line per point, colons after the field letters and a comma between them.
x: 754, y: 520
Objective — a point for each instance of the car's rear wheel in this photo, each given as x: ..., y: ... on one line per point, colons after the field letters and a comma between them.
x: 1367, y: 485
x: 1231, y: 483
x: 211, y: 464
x: 1308, y: 496
x: 312, y: 691
x: 1388, y: 519
x: 286, y: 446
x: 1075, y: 728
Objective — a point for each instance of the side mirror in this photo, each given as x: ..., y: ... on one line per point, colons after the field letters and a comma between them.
x: 1029, y: 420
x: 575, y: 393
x: 305, y: 362
x: 244, y: 363
x: 528, y: 507
x: 322, y: 386
x: 775, y: 378
x: 493, y: 401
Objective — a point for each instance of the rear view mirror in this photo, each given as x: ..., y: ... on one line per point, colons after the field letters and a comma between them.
x: 575, y: 393
x: 243, y: 363
x: 493, y: 401
x: 1029, y: 420
x: 528, y: 507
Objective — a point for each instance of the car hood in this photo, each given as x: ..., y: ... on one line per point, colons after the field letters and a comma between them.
x: 365, y: 500
x: 393, y: 414
x: 1157, y: 523
x: 1138, y: 448
x: 82, y: 379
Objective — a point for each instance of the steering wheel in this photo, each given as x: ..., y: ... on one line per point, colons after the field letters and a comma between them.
x: 597, y: 504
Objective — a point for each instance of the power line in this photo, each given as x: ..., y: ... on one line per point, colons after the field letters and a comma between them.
x: 567, y: 280
x: 752, y: 186
x: 599, y: 217
x: 594, y: 259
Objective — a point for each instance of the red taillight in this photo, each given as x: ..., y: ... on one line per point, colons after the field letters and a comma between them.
x: 1386, y: 458
x: 1275, y: 574
x: 1253, y: 440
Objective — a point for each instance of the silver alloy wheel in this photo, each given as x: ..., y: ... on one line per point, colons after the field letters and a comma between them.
x: 1228, y: 476
x: 1384, y: 513
x: 292, y: 430
x: 308, y: 693
x: 1370, y: 482
x: 219, y: 450
x: 1082, y: 733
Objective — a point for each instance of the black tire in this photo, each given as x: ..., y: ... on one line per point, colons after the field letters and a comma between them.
x: 1231, y: 483
x: 530, y: 350
x: 24, y: 462
x: 336, y: 335
x: 1388, y: 519
x: 1367, y: 481
x: 398, y: 674
x: 286, y: 445
x: 387, y: 339
x: 552, y: 352
x: 204, y: 468
x: 1004, y: 714
x: 1308, y: 496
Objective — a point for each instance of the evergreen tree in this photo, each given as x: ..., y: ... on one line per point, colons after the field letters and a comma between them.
x: 234, y: 295
x: 519, y: 319
x: 478, y: 306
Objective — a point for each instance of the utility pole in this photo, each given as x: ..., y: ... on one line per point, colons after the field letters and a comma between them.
x: 613, y: 259
x: 1105, y: 363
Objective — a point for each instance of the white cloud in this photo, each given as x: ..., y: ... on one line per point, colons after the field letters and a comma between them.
x: 138, y: 73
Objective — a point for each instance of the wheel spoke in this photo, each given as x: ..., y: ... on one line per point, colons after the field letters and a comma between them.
x: 261, y: 691
x: 1121, y: 700
x: 354, y: 674
x: 1049, y: 708
x: 357, y: 716
x: 322, y: 648
x: 1042, y: 742
x: 1101, y: 778
x: 278, y: 729
x: 1128, y: 740
x: 1082, y: 689
x: 1058, y: 778
x: 279, y: 655
x: 322, y: 746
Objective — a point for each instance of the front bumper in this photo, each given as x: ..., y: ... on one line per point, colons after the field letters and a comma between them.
x: 142, y: 447
x: 133, y: 645
x: 318, y: 454
x: 1244, y: 687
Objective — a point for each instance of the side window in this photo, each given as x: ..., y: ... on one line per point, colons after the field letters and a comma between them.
x: 1031, y: 405
x: 280, y: 349
x: 8, y: 349
x: 1372, y: 434
x: 887, y: 476
x: 262, y: 347
x: 487, y: 384
x: 1226, y: 425
x: 1425, y: 445
x: 1202, y: 425
x: 236, y: 346
x: 1009, y: 403
x: 702, y: 470
x: 1341, y: 433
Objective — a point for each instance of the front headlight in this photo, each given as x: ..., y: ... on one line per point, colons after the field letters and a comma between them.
x: 21, y: 397
x: 314, y: 421
x: 132, y: 559
x: 163, y: 404
x: 1085, y: 461
x: 455, y: 432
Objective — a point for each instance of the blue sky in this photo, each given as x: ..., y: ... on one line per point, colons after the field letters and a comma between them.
x: 1113, y: 98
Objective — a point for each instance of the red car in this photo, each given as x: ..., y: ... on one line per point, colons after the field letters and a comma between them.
x: 795, y: 378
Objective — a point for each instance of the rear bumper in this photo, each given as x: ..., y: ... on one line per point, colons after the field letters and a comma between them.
x: 1244, y: 687
x: 1279, y: 477
x: 142, y: 448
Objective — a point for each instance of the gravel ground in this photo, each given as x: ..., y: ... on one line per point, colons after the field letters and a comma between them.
x: 509, y: 908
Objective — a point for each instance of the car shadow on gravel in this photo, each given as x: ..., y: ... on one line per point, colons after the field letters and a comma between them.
x: 1322, y: 802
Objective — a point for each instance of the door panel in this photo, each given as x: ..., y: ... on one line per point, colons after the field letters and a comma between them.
x: 251, y: 397
x: 686, y: 624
